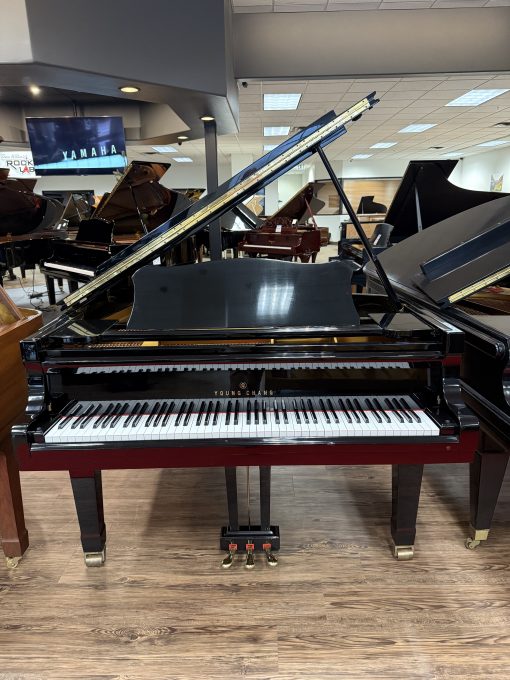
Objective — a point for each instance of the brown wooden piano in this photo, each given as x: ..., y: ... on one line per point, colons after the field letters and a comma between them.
x: 15, y: 324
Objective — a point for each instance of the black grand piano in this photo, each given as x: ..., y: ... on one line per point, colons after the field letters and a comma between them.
x: 136, y: 205
x: 28, y: 224
x: 241, y: 362
x: 460, y: 269
x: 424, y: 197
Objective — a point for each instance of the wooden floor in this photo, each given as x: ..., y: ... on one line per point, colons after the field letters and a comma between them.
x: 337, y: 606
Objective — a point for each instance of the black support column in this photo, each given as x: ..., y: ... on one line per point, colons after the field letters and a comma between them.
x: 211, y: 165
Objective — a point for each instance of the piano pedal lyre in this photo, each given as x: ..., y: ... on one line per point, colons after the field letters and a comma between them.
x: 250, y: 556
x: 229, y: 559
x: 272, y: 560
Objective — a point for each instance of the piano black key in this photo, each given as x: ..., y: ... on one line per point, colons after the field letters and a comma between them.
x: 372, y: 407
x: 188, y: 413
x: 312, y: 410
x: 382, y: 411
x: 161, y: 411
x: 236, y: 413
x: 168, y: 413
x: 324, y: 410
x: 284, y: 412
x: 116, y: 410
x: 360, y: 409
x: 152, y: 414
x: 333, y: 412
x: 248, y: 412
x: 410, y: 410
x: 296, y: 411
x: 345, y: 411
x: 256, y: 412
x: 397, y: 407
x: 133, y: 413
x: 208, y: 413
x: 264, y: 412
x: 74, y: 411
x: 351, y: 408
x: 80, y: 419
x: 181, y: 413
x: 393, y: 410
x: 103, y: 416
x: 200, y: 412
x: 140, y: 413
x: 304, y: 412
x: 276, y: 412
x: 216, y: 413
x: 229, y: 411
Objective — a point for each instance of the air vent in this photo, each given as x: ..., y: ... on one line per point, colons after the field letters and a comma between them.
x: 436, y: 147
x: 504, y: 123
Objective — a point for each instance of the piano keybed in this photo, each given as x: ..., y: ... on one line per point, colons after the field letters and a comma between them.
x: 280, y: 418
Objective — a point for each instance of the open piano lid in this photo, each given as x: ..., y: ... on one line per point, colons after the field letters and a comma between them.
x: 247, y: 182
x: 456, y: 257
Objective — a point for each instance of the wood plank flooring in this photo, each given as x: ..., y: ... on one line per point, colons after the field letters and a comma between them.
x: 337, y: 606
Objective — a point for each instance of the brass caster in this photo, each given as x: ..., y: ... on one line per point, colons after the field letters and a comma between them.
x: 95, y: 559
x: 12, y: 562
x: 403, y: 552
x: 471, y: 543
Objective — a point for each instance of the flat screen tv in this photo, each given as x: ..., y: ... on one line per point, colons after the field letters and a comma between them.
x: 77, y: 146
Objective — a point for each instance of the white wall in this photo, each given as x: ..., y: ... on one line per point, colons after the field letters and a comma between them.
x: 474, y: 172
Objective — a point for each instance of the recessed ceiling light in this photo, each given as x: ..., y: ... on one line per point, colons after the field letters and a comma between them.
x: 34, y: 89
x: 165, y: 149
x: 206, y: 119
x: 383, y: 145
x: 275, y: 131
x: 281, y: 102
x: 476, y: 97
x: 182, y: 159
x: 182, y: 137
x: 494, y: 142
x: 418, y: 127
x: 129, y: 89
x: 361, y: 156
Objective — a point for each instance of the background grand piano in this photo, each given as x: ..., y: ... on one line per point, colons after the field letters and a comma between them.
x: 460, y: 269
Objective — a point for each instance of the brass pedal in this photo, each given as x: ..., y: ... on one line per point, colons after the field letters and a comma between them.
x: 272, y: 560
x: 229, y: 559
x: 250, y: 557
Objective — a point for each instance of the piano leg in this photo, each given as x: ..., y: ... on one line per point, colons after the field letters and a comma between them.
x: 486, y: 474
x: 88, y: 499
x: 406, y: 485
x: 50, y: 287
x: 233, y: 510
x: 12, y: 521
x: 73, y: 285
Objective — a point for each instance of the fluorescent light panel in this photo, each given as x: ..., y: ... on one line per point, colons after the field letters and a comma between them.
x: 164, y: 149
x: 281, y: 102
x: 418, y: 127
x: 383, y: 145
x: 276, y: 131
x: 362, y: 156
x: 476, y: 97
x: 494, y: 142
x: 453, y: 153
x: 270, y: 147
x: 182, y: 159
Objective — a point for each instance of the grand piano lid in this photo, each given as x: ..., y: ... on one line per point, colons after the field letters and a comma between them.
x: 454, y: 258
x: 24, y: 213
x: 247, y: 182
x: 302, y: 205
x: 426, y: 196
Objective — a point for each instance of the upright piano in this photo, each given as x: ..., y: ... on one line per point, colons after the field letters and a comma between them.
x: 424, y: 197
x: 241, y: 362
x: 460, y: 270
x: 136, y: 205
